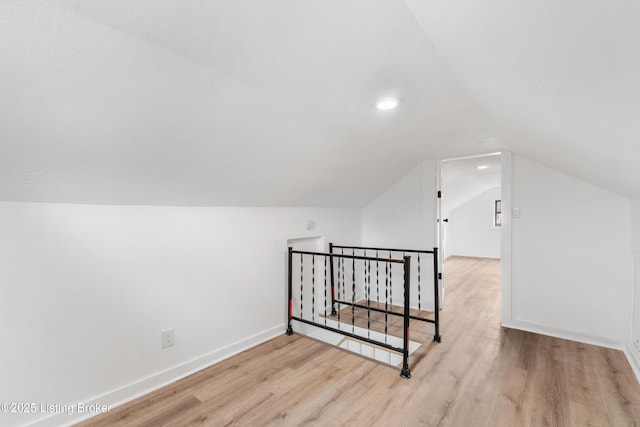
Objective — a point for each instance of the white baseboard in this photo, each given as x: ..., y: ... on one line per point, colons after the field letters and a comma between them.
x: 633, y: 351
x: 633, y: 356
x: 139, y: 388
x: 472, y: 256
x: 563, y: 334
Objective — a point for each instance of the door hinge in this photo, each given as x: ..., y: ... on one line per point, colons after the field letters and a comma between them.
x: 439, y: 276
x: 439, y: 194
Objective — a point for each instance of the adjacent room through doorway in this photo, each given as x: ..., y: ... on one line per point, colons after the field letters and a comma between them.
x: 470, y: 212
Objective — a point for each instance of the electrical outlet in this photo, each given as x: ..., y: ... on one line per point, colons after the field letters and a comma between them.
x: 168, y: 338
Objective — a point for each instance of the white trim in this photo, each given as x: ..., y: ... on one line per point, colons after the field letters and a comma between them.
x: 149, y: 384
x: 439, y: 233
x: 473, y: 156
x: 506, y: 255
x: 634, y: 359
x: 473, y: 256
x: 631, y: 351
x: 505, y: 228
x: 564, y: 334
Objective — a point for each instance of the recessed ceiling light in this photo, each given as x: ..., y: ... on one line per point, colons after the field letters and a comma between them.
x: 482, y: 167
x: 387, y: 104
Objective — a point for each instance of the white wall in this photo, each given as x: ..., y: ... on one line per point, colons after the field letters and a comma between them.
x: 404, y: 217
x: 85, y: 291
x: 571, y: 267
x: 470, y: 230
x: 635, y: 225
x: 633, y: 347
x: 571, y: 264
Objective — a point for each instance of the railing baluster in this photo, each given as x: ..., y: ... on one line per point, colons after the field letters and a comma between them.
x: 339, y: 298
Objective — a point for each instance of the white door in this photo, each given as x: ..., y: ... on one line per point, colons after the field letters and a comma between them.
x: 440, y: 230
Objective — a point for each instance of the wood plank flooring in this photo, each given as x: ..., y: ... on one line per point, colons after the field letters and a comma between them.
x: 480, y: 375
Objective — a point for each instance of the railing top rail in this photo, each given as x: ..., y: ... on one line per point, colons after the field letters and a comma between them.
x: 367, y: 258
x: 384, y: 249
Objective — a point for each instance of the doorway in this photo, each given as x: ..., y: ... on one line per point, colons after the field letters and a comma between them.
x: 470, y: 209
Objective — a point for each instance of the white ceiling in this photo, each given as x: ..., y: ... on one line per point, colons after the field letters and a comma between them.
x: 462, y: 181
x: 560, y: 80
x: 265, y: 103
x: 271, y: 103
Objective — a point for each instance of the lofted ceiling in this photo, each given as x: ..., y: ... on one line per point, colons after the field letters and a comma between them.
x: 272, y: 103
x: 263, y: 103
x: 559, y: 80
x: 465, y: 179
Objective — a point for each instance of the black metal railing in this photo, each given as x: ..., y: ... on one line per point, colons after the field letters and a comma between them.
x: 317, y: 319
x: 419, y: 255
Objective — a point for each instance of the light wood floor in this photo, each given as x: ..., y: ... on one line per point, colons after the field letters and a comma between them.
x: 480, y: 375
